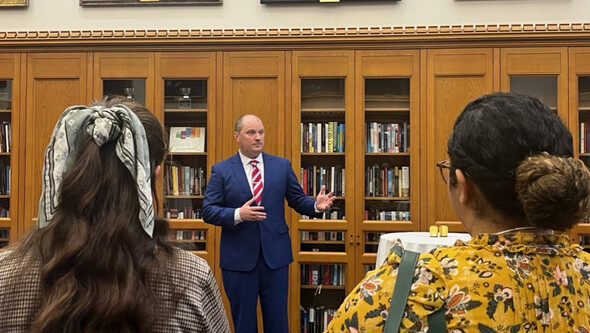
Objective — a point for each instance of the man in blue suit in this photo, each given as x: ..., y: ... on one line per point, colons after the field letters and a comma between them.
x: 247, y: 200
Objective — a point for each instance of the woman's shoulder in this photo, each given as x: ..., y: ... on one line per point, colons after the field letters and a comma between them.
x: 189, y: 268
x: 188, y: 260
x: 4, y: 257
x: 4, y: 253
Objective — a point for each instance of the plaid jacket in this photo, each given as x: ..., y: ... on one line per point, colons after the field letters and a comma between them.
x: 199, y: 308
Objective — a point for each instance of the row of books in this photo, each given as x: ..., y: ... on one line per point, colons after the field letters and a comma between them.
x: 334, y: 213
x: 322, y: 137
x: 322, y: 235
x: 188, y: 235
x: 387, y: 181
x: 315, y: 319
x: 388, y: 137
x: 368, y: 268
x: 387, y: 215
x: 3, y: 233
x: 584, y: 138
x: 4, y: 212
x: 4, y: 178
x: 584, y: 239
x: 186, y: 212
x: 372, y: 236
x: 323, y: 274
x: 184, y: 180
x: 313, y: 177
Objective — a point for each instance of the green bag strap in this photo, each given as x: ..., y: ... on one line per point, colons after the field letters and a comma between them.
x: 437, y: 320
x: 403, y: 283
x: 401, y: 291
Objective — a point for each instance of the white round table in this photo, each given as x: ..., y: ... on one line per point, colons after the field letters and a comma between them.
x: 416, y: 241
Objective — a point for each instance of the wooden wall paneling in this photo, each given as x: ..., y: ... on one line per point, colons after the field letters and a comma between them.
x: 254, y: 82
x: 55, y: 81
x: 453, y: 78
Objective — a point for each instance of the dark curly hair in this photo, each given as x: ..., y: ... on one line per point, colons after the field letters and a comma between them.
x: 497, y: 133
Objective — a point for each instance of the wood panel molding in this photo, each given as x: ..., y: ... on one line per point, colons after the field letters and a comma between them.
x: 545, y: 34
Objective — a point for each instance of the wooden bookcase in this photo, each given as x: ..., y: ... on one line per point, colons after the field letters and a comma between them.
x: 10, y: 87
x: 323, y: 154
x: 579, y: 121
x: 351, y: 83
x: 175, y: 72
x: 387, y: 146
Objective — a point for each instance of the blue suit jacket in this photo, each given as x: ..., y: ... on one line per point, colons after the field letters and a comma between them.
x: 228, y: 189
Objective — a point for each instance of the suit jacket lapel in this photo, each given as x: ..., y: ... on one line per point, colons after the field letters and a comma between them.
x: 267, y: 160
x: 240, y: 174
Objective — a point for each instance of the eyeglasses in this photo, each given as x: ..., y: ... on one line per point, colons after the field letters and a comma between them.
x: 444, y: 167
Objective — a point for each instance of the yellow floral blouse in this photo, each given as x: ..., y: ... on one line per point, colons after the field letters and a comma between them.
x: 514, y: 282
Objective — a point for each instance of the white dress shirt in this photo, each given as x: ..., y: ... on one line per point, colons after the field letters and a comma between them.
x: 248, y: 170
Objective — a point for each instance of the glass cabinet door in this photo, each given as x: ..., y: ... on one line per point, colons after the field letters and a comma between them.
x: 133, y: 90
x: 387, y: 157
x: 386, y: 113
x: 5, y: 159
x: 541, y: 86
x: 386, y: 144
x: 323, y: 157
x: 185, y: 103
x: 323, y: 153
x: 539, y: 72
x: 323, y: 141
x: 581, y: 232
x: 185, y: 170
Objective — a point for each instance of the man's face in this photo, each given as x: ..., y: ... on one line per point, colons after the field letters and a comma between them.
x: 251, y: 136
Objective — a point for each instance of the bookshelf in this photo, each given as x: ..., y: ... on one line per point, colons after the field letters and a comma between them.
x: 10, y: 105
x: 185, y: 169
x: 388, y: 138
x: 184, y: 103
x: 323, y: 268
x: 6, y: 98
x: 579, y: 123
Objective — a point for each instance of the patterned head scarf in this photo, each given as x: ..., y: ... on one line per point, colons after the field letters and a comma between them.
x: 103, y: 124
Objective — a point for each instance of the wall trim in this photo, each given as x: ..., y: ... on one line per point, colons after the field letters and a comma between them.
x: 394, y: 37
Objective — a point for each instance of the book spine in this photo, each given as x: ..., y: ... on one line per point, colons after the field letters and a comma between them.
x: 582, y: 132
x: 405, y: 181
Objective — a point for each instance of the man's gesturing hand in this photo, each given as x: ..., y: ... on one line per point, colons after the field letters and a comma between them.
x: 252, y: 213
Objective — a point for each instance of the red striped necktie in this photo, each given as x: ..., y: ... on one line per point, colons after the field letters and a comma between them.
x: 256, y: 182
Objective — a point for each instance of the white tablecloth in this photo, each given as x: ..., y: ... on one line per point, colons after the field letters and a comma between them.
x: 416, y: 241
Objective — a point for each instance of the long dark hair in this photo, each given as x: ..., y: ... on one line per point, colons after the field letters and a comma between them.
x: 96, y: 261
